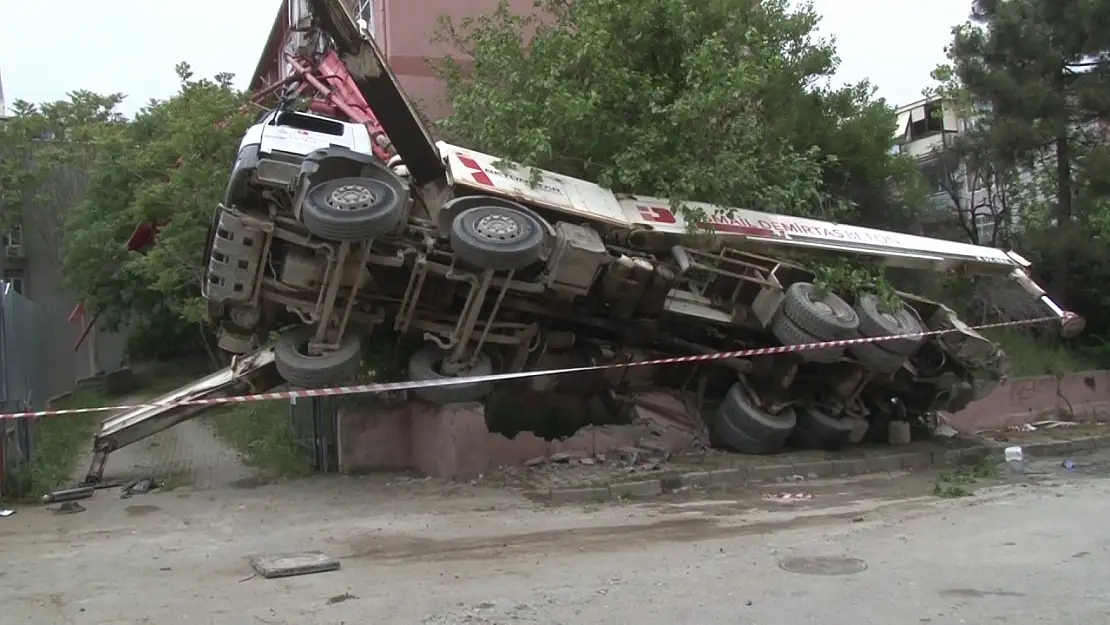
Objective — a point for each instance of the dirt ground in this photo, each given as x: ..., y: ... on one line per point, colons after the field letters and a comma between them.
x: 425, y: 551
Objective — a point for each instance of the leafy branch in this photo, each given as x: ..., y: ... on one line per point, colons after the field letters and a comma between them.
x: 853, y: 280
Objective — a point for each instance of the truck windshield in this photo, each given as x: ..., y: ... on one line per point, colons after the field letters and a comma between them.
x: 309, y: 123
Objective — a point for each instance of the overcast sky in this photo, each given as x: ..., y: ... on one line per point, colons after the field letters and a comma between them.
x: 131, y: 46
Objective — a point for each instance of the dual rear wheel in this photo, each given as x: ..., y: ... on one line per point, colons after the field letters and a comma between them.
x: 808, y: 316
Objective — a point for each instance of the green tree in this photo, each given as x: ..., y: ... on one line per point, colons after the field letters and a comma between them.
x: 167, y: 166
x: 45, y: 154
x: 1037, y: 70
x: 722, y: 101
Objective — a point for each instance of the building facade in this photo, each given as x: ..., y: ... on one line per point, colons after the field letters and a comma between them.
x: 402, y: 28
x: 927, y: 130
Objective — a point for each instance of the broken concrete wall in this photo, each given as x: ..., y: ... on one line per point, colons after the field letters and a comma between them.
x: 454, y: 440
x: 1082, y: 396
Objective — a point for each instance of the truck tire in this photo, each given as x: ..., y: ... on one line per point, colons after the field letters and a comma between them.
x: 820, y: 431
x: 872, y: 356
x: 353, y: 209
x: 299, y: 368
x: 873, y: 322
x: 424, y: 365
x: 825, y: 316
x: 743, y: 427
x: 497, y: 237
x: 788, y: 333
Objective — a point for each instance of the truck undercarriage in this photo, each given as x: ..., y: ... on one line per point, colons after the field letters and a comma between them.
x: 347, y: 219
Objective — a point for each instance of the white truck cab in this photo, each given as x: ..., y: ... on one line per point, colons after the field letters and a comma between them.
x: 272, y: 150
x: 296, y: 132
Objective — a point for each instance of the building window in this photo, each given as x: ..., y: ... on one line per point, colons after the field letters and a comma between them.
x: 13, y: 280
x: 12, y: 242
x: 365, y: 13
x: 13, y: 236
x: 926, y: 121
x: 297, y: 9
x: 984, y: 227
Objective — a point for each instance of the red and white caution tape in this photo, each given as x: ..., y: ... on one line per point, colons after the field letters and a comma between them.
x: 384, y: 387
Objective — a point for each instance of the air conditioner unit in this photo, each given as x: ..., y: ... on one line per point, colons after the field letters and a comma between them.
x: 15, y: 251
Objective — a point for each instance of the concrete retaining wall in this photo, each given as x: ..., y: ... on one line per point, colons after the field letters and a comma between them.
x: 454, y: 440
x: 1083, y: 396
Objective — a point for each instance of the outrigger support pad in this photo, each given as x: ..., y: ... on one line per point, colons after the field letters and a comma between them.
x: 1071, y: 324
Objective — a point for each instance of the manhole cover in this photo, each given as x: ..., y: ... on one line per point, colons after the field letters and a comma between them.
x: 824, y: 566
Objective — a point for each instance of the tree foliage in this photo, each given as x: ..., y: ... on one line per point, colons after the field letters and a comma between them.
x: 168, y: 166
x: 45, y: 152
x: 725, y: 101
x: 1037, y: 71
x: 1034, y: 77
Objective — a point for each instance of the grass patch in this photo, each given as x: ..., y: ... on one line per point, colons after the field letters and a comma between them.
x: 961, y: 482
x: 264, y: 435
x: 1031, y: 355
x: 58, y: 442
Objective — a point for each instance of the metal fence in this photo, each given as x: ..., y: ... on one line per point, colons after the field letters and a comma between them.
x: 313, y: 424
x: 27, y: 335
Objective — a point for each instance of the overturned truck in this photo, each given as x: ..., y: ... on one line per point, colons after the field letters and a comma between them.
x: 347, y: 218
x: 491, y: 262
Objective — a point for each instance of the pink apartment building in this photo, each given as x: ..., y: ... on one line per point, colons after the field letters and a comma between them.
x: 402, y: 28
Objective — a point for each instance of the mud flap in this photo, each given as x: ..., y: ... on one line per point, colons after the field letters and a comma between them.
x: 239, y: 180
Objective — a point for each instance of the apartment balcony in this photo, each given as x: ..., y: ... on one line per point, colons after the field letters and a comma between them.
x: 930, y: 147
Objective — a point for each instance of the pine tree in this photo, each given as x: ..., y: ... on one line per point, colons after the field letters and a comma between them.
x: 1041, y: 71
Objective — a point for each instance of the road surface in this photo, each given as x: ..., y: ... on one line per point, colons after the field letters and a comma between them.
x: 877, y: 550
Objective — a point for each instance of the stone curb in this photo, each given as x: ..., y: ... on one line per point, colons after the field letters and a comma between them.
x: 944, y: 459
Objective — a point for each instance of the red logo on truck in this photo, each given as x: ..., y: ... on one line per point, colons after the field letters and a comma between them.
x: 656, y: 214
x: 476, y: 172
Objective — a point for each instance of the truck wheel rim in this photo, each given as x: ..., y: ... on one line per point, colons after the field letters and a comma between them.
x: 498, y: 227
x: 351, y: 197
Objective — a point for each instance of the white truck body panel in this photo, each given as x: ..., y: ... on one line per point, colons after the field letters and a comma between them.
x: 587, y: 200
x: 786, y: 230
x: 555, y: 191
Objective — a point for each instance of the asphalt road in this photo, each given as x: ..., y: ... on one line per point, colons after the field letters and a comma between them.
x: 882, y: 551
